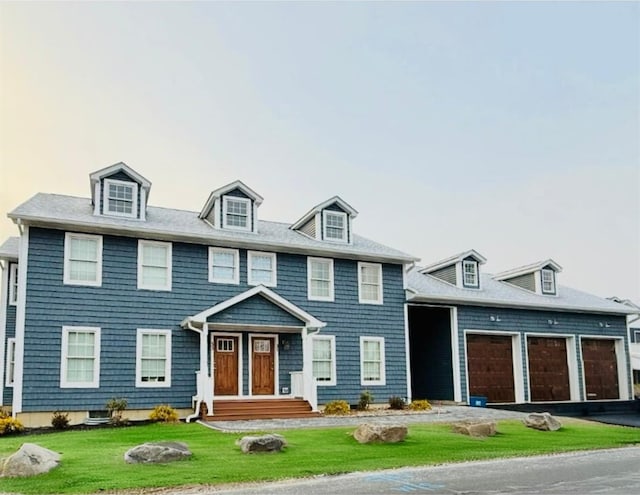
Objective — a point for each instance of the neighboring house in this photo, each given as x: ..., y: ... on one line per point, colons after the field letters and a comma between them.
x: 634, y: 336
x: 516, y: 337
x: 107, y: 297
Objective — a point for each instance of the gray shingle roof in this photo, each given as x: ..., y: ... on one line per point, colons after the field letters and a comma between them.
x: 426, y: 288
x: 10, y: 248
x: 58, y: 211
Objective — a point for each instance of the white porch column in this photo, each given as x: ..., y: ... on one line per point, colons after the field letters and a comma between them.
x: 310, y: 390
x: 206, y: 382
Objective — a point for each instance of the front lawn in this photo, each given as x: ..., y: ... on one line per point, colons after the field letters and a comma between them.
x: 92, y: 461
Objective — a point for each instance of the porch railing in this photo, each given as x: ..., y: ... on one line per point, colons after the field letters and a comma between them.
x: 306, y: 389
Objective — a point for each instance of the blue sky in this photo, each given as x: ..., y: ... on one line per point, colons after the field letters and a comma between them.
x: 510, y: 128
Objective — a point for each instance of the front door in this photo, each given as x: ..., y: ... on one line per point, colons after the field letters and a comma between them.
x: 262, y: 366
x: 225, y: 350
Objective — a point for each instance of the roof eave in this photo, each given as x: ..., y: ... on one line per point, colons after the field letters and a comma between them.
x: 135, y: 231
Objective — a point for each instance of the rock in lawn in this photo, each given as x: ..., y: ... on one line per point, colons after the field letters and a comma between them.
x: 264, y: 443
x: 542, y: 421
x: 157, y: 453
x: 29, y: 460
x: 475, y: 428
x: 375, y: 432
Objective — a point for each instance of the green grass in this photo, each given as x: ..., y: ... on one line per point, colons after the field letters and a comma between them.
x: 92, y: 460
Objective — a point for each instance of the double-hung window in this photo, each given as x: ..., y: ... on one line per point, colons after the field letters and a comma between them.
x: 13, y: 285
x: 372, y: 363
x: 153, y: 358
x: 548, y: 281
x: 224, y: 265
x: 11, y: 362
x: 120, y: 198
x: 370, y: 283
x: 334, y: 225
x: 320, y: 279
x: 236, y: 213
x: 83, y: 259
x: 154, y: 265
x: 80, y: 367
x: 470, y: 273
x: 261, y: 268
x: 324, y: 359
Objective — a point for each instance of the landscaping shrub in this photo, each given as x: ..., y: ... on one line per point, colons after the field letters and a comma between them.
x: 164, y: 413
x: 337, y: 408
x: 8, y: 425
x: 420, y: 405
x: 396, y: 402
x: 116, y: 407
x: 60, y: 420
x: 366, y: 398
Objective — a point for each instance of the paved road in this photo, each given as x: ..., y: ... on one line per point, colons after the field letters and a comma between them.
x: 614, y: 471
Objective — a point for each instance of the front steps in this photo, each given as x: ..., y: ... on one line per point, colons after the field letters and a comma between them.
x: 246, y: 409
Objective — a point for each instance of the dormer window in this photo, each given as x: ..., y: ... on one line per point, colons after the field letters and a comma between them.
x: 335, y: 226
x: 120, y: 198
x: 470, y: 273
x: 236, y: 213
x: 548, y: 281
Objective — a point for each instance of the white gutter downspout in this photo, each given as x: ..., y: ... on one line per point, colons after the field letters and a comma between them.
x: 311, y: 390
x: 203, y: 369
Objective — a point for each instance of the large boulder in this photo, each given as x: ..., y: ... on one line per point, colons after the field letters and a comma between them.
x: 542, y: 421
x: 475, y: 428
x: 263, y: 443
x: 157, y: 453
x: 29, y: 460
x: 376, y: 432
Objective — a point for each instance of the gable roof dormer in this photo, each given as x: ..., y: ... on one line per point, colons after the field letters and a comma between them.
x: 233, y: 207
x: 461, y: 270
x: 329, y: 221
x: 539, y: 277
x: 119, y: 191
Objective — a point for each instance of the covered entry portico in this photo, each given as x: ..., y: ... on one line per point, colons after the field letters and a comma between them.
x: 253, y: 346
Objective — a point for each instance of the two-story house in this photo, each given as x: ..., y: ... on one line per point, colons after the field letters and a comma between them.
x: 513, y: 337
x: 108, y: 297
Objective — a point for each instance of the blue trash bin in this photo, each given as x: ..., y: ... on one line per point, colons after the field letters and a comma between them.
x: 477, y: 401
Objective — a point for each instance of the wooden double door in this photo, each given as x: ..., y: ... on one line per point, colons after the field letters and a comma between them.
x: 227, y: 374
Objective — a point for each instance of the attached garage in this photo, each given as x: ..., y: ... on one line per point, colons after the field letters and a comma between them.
x: 490, y: 367
x: 548, y: 369
x: 600, y: 368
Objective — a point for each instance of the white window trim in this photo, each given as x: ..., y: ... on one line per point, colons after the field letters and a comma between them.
x: 13, y: 285
x: 311, y: 296
x: 383, y: 365
x: 167, y: 364
x: 225, y: 201
x: 236, y: 265
x: 345, y: 234
x: 274, y: 273
x: 474, y: 264
x: 553, y: 281
x: 11, y: 359
x: 380, y: 299
x: 64, y: 355
x: 332, y: 340
x: 67, y: 262
x: 624, y: 386
x: 167, y: 285
x: 107, y: 200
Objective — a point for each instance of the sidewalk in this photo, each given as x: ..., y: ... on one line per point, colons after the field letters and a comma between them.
x: 442, y: 414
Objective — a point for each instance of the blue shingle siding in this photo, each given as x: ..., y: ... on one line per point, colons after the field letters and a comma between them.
x: 529, y: 321
x: 118, y: 308
x: 256, y: 310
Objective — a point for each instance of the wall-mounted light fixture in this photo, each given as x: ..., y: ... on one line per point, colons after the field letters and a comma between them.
x: 495, y: 318
x: 604, y: 325
x: 285, y: 344
x: 552, y: 322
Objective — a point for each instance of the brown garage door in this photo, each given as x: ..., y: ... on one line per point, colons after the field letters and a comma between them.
x: 600, y: 368
x: 548, y: 369
x: 490, y: 367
